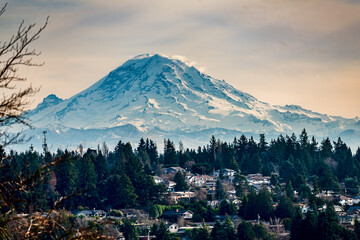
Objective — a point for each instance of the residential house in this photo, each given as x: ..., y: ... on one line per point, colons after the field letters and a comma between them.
x: 173, y: 170
x: 356, y: 200
x: 158, y: 179
x: 258, y: 178
x: 91, y: 213
x: 344, y: 200
x: 170, y: 185
x: 134, y: 213
x: 181, y: 196
x: 353, y: 210
x: 173, y: 228
x: 186, y: 214
x: 227, y: 173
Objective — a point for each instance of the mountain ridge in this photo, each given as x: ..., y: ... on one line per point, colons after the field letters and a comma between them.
x: 152, y: 91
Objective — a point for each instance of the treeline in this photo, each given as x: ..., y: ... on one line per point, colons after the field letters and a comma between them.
x: 94, y: 179
x: 122, y: 178
x: 293, y: 158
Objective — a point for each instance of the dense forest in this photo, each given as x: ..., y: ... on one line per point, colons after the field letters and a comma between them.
x: 127, y: 171
x: 123, y: 178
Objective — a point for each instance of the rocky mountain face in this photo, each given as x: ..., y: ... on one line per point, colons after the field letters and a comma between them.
x: 159, y: 97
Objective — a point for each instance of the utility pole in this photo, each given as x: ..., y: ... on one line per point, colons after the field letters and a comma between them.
x: 44, y: 145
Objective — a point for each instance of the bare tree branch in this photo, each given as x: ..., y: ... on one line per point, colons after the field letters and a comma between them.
x: 15, y: 53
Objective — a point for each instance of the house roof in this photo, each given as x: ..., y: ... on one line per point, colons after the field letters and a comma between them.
x: 180, y: 212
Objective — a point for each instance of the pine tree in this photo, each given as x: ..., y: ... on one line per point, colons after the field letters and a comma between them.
x: 296, y: 229
x: 202, y: 233
x: 285, y: 208
x: 66, y: 174
x: 289, y: 190
x: 180, y: 182
x: 357, y: 228
x: 245, y: 231
x: 263, y: 145
x: 121, y: 192
x: 219, y: 192
x: 228, y: 229
x: 86, y: 181
x: 160, y: 231
x: 170, y: 156
x: 129, y: 230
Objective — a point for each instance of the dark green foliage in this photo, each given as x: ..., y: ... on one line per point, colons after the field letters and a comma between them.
x: 156, y: 211
x: 121, y: 192
x: 352, y: 186
x: 245, y: 231
x: 160, y: 231
x: 261, y: 232
x: 285, y: 208
x: 357, y: 227
x: 227, y: 208
x: 241, y: 184
x: 224, y: 230
x: 170, y: 156
x: 328, y: 226
x: 129, y: 230
x: 320, y: 226
x: 257, y: 205
x: 219, y: 192
x: 180, y: 182
x: 122, y: 178
x: 296, y: 228
x: 86, y: 181
x: 274, y: 180
x: 66, y: 173
x: 202, y: 233
x: 289, y: 190
x: 326, y: 180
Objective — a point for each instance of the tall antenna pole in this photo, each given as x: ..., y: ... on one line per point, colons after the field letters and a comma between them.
x: 44, y: 145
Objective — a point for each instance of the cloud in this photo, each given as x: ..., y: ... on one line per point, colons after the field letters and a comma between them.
x: 189, y: 62
x: 249, y: 43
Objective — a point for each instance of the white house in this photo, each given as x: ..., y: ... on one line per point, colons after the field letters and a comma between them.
x: 173, y: 228
x: 158, y: 179
x: 343, y: 200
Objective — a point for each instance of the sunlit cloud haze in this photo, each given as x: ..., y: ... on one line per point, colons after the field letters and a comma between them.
x: 304, y: 52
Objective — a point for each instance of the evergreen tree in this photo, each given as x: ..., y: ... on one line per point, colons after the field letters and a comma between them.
x: 285, y: 208
x: 180, y: 182
x: 212, y: 150
x: 217, y: 233
x: 86, y: 181
x: 328, y: 225
x: 245, y: 231
x: 219, y: 192
x: 264, y: 203
x: 289, y: 190
x: 202, y: 233
x: 160, y: 231
x: 129, y: 230
x: 228, y: 228
x: 170, y: 156
x: 261, y: 232
x: 227, y: 208
x: 263, y: 145
x: 326, y: 148
x: 296, y: 229
x: 121, y: 192
x: 357, y: 227
x: 65, y: 173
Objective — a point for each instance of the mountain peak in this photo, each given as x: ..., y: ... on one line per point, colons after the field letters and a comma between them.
x: 154, y: 94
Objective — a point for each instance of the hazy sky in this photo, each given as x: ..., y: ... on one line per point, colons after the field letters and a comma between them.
x: 304, y: 52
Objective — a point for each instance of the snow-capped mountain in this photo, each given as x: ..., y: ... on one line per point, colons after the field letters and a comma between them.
x: 159, y: 97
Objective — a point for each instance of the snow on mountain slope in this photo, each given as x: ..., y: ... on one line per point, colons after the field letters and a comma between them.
x: 159, y: 95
